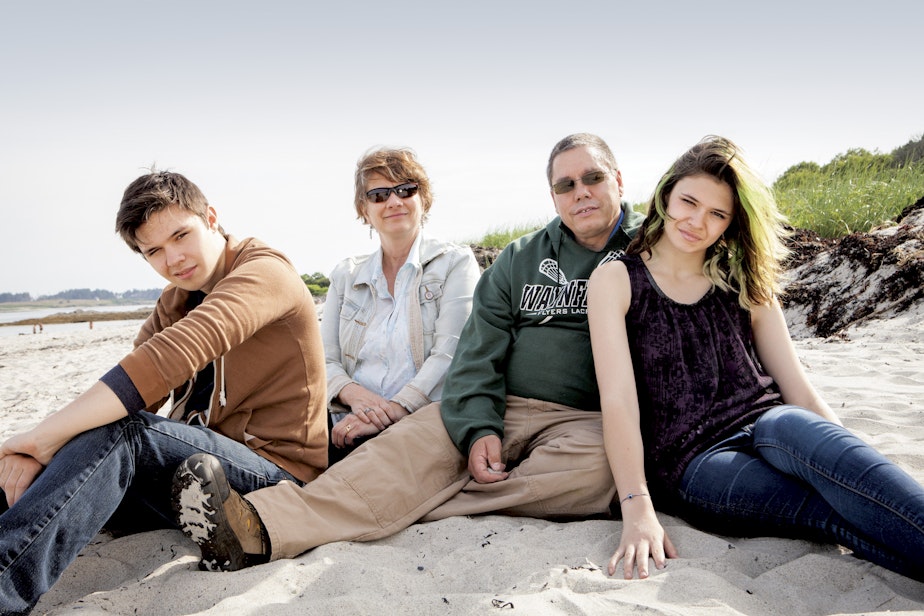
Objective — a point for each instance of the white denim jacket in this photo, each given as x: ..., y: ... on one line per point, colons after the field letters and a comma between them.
x: 445, y: 284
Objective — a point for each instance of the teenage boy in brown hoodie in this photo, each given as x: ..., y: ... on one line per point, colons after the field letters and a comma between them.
x: 234, y: 338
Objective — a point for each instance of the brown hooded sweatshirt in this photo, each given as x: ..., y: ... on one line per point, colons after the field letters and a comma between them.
x: 259, y: 326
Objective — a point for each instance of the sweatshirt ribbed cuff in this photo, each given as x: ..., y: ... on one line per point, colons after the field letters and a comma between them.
x: 121, y: 385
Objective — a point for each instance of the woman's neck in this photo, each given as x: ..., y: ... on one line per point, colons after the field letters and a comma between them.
x: 396, y: 249
x: 394, y: 255
x: 678, y: 274
x: 664, y: 255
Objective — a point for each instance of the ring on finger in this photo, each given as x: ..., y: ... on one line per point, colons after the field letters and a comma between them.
x: 348, y: 428
x: 367, y: 410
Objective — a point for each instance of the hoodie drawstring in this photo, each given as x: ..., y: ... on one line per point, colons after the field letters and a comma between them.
x: 222, y: 398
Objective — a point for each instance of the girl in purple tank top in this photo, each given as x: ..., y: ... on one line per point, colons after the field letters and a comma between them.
x: 718, y: 415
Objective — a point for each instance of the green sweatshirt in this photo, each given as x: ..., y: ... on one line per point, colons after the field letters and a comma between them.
x: 527, y: 334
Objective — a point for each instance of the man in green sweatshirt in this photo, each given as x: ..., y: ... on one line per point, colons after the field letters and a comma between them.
x: 518, y: 431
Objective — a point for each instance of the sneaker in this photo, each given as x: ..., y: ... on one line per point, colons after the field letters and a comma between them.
x: 216, y: 517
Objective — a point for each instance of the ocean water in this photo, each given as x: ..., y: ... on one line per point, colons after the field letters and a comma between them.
x: 26, y: 330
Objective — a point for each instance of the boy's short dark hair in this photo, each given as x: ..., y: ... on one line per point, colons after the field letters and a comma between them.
x: 153, y: 192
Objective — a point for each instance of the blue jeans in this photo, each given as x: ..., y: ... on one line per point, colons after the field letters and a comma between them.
x: 794, y: 474
x: 130, y: 463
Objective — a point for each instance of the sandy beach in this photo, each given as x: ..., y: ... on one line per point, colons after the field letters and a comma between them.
x: 873, y: 375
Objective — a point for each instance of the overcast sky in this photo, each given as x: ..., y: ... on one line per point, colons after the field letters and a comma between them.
x: 268, y: 105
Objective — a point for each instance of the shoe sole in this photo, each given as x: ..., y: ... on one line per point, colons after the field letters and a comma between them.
x: 199, y: 492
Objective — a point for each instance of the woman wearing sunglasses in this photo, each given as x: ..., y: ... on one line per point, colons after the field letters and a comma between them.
x: 392, y: 318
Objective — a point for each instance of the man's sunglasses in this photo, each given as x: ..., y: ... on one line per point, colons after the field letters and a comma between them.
x: 378, y: 195
x: 588, y: 179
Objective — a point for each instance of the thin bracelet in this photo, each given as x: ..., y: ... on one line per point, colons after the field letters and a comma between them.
x: 630, y: 496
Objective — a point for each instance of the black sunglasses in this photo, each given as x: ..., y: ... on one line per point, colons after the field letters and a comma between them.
x: 378, y: 195
x: 588, y: 179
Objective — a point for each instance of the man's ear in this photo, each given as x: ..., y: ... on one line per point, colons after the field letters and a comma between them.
x: 554, y: 202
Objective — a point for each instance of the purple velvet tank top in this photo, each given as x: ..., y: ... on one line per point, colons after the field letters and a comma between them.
x: 696, y: 371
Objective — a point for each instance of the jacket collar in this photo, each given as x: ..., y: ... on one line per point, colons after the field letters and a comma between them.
x: 428, y: 250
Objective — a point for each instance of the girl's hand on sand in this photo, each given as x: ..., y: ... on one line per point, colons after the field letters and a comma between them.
x: 17, y: 472
x: 643, y: 537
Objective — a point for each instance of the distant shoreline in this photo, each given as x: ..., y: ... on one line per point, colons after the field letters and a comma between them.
x: 79, y: 315
x: 39, y: 304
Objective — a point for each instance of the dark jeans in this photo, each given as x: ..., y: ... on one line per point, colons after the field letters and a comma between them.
x: 129, y: 463
x: 795, y: 474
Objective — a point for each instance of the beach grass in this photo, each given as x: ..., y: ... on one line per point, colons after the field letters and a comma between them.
x: 855, y: 192
x: 499, y: 237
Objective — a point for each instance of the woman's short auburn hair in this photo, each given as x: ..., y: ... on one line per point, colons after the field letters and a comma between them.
x: 399, y: 165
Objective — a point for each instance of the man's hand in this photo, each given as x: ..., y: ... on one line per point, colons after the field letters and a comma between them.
x: 484, y: 460
x: 17, y: 472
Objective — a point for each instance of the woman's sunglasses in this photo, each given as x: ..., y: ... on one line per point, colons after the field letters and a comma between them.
x: 588, y: 179
x: 378, y: 195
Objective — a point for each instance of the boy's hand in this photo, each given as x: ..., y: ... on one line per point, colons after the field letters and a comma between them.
x: 17, y: 472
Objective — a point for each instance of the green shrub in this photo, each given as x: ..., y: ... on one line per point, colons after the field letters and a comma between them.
x: 317, y: 284
x: 856, y: 191
x: 912, y: 151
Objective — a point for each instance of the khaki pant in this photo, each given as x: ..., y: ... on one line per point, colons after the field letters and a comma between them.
x: 414, y: 472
